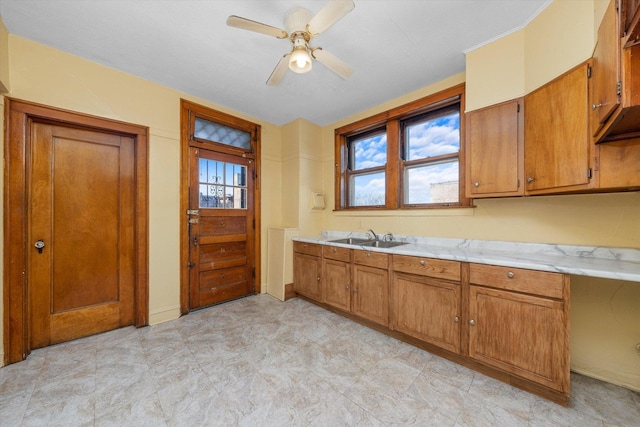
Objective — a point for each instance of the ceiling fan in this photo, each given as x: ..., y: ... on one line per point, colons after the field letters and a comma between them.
x: 301, y: 26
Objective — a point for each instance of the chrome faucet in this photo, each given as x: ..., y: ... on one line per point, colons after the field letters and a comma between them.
x: 389, y: 235
x: 375, y: 236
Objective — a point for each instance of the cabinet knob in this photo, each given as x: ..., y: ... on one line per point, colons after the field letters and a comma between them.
x: 346, y: 287
x: 421, y: 262
x: 510, y: 275
x: 355, y: 290
x: 530, y: 180
x: 369, y: 255
x: 476, y: 184
x: 472, y: 322
x: 456, y: 319
x: 594, y: 106
x: 318, y: 278
x: 335, y: 249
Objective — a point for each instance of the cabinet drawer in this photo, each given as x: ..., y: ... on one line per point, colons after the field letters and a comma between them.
x: 516, y: 279
x: 372, y: 259
x: 334, y: 252
x: 307, y: 248
x: 427, y: 267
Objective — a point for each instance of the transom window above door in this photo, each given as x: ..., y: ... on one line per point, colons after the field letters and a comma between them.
x: 222, y: 185
x: 216, y: 132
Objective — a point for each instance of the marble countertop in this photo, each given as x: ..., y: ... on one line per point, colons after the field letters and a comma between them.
x: 605, y: 262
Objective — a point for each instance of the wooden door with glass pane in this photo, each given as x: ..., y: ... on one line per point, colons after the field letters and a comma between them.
x: 221, y: 227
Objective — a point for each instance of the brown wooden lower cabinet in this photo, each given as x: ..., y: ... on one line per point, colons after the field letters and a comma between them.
x: 307, y: 266
x: 519, y: 323
x: 512, y: 324
x: 336, y: 269
x: 426, y: 306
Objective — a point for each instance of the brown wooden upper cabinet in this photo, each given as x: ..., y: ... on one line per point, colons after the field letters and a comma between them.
x: 630, y: 20
x: 495, y: 150
x: 615, y: 74
x: 557, y: 147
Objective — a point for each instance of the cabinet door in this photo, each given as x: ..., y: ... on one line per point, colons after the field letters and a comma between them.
x: 306, y: 275
x: 427, y: 309
x: 495, y: 158
x: 556, y: 135
x: 605, y: 70
x: 521, y: 334
x: 370, y: 293
x: 337, y: 284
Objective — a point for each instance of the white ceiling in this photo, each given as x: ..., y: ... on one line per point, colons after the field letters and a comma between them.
x: 393, y: 46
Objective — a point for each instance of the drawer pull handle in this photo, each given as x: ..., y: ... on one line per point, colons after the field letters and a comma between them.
x: 510, y: 275
x: 456, y: 319
x: 422, y: 262
x: 472, y: 322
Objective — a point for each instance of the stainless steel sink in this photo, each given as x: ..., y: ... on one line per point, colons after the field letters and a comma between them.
x: 352, y: 241
x: 382, y: 244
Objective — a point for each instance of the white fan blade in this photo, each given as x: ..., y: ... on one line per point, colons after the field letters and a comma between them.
x: 258, y: 27
x: 278, y: 73
x: 331, y: 13
x: 332, y: 62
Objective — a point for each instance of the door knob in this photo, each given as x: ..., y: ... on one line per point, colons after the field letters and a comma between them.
x: 39, y: 245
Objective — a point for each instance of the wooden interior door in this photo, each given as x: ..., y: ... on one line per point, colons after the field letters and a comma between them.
x: 221, y: 227
x: 80, y: 234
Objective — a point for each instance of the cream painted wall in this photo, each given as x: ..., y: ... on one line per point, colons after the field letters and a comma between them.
x: 301, y: 175
x: 559, y: 38
x: 48, y: 76
x: 605, y: 320
x: 499, y: 79
x: 4, y: 58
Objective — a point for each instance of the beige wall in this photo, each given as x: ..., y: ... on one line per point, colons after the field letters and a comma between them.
x: 4, y: 58
x: 605, y: 320
x: 48, y: 76
x: 559, y: 38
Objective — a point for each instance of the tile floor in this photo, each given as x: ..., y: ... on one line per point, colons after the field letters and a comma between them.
x: 260, y: 362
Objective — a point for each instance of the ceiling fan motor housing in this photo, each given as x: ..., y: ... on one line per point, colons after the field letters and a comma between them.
x: 297, y: 20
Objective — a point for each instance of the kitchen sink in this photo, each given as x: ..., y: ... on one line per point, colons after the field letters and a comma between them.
x: 352, y: 241
x: 382, y: 244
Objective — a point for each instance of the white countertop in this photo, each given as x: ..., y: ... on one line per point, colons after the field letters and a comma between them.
x: 605, y: 262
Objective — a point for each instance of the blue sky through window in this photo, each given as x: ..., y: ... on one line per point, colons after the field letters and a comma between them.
x: 434, y: 136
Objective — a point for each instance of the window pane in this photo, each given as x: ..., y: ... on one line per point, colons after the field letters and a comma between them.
x: 222, y: 185
x: 367, y: 190
x: 434, y: 183
x: 216, y: 132
x: 435, y: 135
x: 369, y: 151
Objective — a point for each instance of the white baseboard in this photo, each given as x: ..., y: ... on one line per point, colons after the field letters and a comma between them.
x: 609, y: 380
x: 163, y: 314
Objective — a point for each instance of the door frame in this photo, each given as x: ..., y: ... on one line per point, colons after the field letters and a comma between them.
x: 19, y: 115
x: 187, y: 109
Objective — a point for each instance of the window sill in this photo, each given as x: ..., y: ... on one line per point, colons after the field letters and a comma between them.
x: 413, y: 212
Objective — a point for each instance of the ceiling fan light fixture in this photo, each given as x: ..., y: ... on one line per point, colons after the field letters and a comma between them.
x: 300, y: 60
